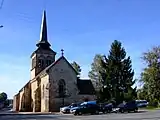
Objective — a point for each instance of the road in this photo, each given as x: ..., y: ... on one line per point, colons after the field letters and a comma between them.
x: 150, y: 115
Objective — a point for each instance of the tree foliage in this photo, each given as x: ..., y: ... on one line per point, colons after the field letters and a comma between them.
x: 115, y: 74
x: 3, y: 97
x: 151, y: 75
x: 76, y: 67
x: 96, y: 68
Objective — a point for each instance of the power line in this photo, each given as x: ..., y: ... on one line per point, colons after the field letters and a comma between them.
x: 0, y: 9
x: 1, y: 4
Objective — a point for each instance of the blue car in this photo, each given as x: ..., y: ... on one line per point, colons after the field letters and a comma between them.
x: 83, y: 105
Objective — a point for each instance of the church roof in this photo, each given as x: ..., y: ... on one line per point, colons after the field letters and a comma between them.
x: 43, y: 35
x: 43, y: 44
x: 40, y: 50
x: 85, y: 87
x: 24, y: 86
x: 54, y: 63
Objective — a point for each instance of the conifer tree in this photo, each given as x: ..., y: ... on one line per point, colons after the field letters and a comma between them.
x: 118, y: 75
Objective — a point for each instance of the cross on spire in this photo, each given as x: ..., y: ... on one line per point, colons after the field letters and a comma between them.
x: 62, y: 52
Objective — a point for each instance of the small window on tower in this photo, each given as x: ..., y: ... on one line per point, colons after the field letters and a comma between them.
x: 48, y: 62
x: 40, y: 63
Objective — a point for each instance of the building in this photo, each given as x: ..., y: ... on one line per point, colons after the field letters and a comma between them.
x: 53, y: 83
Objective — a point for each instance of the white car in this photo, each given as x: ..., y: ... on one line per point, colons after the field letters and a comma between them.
x: 141, y: 103
x: 66, y: 109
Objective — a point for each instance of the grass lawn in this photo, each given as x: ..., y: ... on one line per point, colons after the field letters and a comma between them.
x: 151, y: 107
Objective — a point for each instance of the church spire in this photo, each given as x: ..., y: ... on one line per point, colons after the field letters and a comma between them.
x: 43, y: 43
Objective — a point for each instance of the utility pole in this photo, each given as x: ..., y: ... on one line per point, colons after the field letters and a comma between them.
x: 1, y: 4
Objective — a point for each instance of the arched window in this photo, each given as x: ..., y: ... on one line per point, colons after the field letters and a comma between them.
x: 48, y: 60
x: 62, y: 88
x: 41, y: 61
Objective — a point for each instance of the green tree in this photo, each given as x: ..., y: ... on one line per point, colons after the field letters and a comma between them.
x: 114, y: 74
x: 77, y: 67
x: 3, y: 97
x: 118, y: 74
x: 151, y: 74
x: 142, y: 94
x: 94, y: 74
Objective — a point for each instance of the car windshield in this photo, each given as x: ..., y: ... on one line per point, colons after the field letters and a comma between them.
x: 141, y: 101
x: 73, y: 105
x: 82, y: 106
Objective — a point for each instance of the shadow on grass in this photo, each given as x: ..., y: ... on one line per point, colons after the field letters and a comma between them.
x: 151, y: 108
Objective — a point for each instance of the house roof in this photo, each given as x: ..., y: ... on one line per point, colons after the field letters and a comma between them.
x: 85, y: 87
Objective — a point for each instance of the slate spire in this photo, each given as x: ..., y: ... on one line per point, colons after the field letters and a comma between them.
x: 43, y: 43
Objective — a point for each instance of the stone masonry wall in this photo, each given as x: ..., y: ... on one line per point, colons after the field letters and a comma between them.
x: 33, y: 89
x: 27, y: 98
x: 62, y: 71
x: 45, y: 94
x: 16, y: 102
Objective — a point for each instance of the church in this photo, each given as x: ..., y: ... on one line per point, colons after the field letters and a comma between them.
x: 53, y: 83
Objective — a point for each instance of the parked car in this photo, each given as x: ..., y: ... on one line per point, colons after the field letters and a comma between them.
x: 66, y: 109
x: 142, y: 103
x: 128, y: 107
x: 82, y: 104
x: 86, y: 109
x: 107, y: 108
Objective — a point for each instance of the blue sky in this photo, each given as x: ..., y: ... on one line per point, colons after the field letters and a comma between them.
x: 82, y: 28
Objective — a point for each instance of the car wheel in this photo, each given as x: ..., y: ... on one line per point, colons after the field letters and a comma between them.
x: 108, y: 111
x: 79, y: 113
x: 136, y: 110
x: 75, y: 113
x: 104, y: 112
x: 97, y: 112
x: 122, y: 111
x: 67, y: 111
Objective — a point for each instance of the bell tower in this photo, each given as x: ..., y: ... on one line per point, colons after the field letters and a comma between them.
x: 43, y: 56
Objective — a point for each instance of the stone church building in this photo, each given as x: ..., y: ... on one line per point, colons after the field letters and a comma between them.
x: 53, y: 83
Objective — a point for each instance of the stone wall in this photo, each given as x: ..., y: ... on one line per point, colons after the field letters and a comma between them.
x: 45, y: 93
x: 33, y: 89
x: 82, y: 98
x: 16, y: 101
x: 21, y: 100
x: 61, y: 70
x: 27, y: 98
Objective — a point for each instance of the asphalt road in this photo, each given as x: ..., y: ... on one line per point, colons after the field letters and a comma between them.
x: 143, y: 115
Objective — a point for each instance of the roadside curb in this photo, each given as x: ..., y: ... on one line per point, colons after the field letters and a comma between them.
x: 5, y: 114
